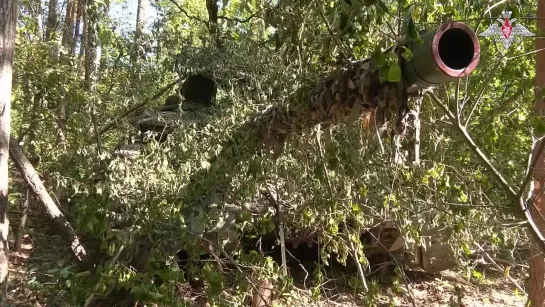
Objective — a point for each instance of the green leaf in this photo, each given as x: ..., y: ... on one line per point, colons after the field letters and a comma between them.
x: 394, y: 73
x: 381, y: 59
x: 64, y: 273
x: 477, y: 275
x: 407, y: 54
x: 409, y: 13
x: 83, y: 274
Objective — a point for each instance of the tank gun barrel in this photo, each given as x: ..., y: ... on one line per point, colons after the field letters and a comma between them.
x: 447, y: 53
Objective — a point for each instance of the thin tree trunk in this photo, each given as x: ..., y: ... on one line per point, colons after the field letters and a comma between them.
x: 34, y: 100
x: 52, y: 20
x: 83, y: 36
x: 67, y: 39
x: 78, y: 27
x: 8, y: 25
x: 536, y: 294
x: 22, y: 224
x: 140, y: 21
x: 92, y: 61
x: 59, y: 221
x: 212, y: 8
x: 69, y: 22
x: 91, y: 43
x: 35, y: 8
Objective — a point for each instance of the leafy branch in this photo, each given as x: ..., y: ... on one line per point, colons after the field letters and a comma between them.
x: 515, y: 196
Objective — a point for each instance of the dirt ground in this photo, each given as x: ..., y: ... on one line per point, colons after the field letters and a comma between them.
x: 31, y: 282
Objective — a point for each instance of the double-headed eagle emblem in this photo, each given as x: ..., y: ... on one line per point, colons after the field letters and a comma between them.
x: 506, y: 33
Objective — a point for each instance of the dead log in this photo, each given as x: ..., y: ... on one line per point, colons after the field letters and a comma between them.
x: 64, y: 229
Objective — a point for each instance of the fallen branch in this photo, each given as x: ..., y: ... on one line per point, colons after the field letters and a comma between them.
x: 500, y: 268
x: 33, y: 181
x: 503, y: 262
x: 113, y: 123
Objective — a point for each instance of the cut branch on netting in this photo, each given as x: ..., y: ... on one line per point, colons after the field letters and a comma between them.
x: 343, y: 97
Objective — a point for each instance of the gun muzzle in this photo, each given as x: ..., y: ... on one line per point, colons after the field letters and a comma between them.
x: 448, y: 52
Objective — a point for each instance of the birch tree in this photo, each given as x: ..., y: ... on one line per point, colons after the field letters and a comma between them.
x: 8, y: 24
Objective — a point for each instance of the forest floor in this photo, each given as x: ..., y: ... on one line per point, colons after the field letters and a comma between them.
x: 33, y: 284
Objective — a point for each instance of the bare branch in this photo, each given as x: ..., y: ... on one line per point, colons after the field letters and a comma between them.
x: 531, y: 165
x: 457, y: 99
x: 474, y: 146
x: 519, y: 202
x: 186, y: 13
x: 525, y: 54
x: 113, y: 123
x: 481, y: 92
x: 500, y: 268
x: 245, y: 20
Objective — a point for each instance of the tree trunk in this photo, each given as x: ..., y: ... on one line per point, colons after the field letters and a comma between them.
x: 92, y: 61
x: 35, y: 10
x: 32, y: 179
x: 52, y: 20
x: 212, y: 8
x: 67, y: 39
x: 22, y: 223
x: 8, y: 24
x: 140, y: 22
x: 83, y: 36
x: 69, y: 22
x: 91, y: 43
x: 536, y: 294
x: 78, y: 27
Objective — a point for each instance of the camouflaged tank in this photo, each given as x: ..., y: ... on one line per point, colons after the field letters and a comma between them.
x: 195, y: 96
x: 382, y: 240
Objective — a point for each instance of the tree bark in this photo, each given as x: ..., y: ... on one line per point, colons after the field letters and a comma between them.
x: 91, y: 43
x: 82, y: 5
x: 8, y: 25
x: 69, y: 22
x: 536, y: 294
x: 92, y: 61
x: 35, y: 10
x: 212, y: 8
x: 78, y: 26
x: 22, y: 223
x: 32, y: 178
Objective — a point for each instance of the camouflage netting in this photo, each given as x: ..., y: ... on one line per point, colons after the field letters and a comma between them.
x: 217, y: 168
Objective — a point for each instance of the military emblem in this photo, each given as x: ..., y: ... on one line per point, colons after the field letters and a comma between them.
x: 506, y: 33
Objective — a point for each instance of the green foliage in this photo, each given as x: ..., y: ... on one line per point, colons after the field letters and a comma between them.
x: 327, y: 177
